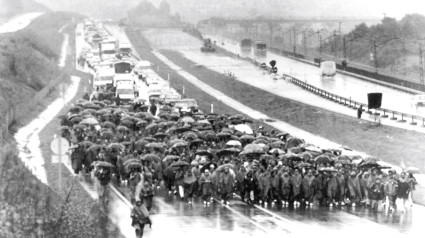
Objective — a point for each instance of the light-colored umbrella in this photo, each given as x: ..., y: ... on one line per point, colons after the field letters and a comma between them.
x: 90, y: 121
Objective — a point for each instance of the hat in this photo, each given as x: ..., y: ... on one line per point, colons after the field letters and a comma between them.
x: 352, y: 173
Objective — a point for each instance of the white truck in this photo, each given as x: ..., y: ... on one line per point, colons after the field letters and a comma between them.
x: 107, y: 50
x: 104, y: 76
x: 125, y: 92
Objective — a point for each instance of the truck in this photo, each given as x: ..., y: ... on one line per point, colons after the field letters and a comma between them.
x: 207, y: 46
x: 107, y: 51
x: 104, y: 76
x: 260, y: 48
x: 124, y: 48
x: 126, y: 93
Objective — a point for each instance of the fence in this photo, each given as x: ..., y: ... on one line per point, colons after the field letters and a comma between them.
x: 19, y: 111
x: 386, y: 113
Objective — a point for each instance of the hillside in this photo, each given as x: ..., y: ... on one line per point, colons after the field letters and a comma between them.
x: 153, y: 16
x: 10, y: 8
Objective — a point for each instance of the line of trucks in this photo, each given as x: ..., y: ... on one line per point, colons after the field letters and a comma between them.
x: 115, y: 66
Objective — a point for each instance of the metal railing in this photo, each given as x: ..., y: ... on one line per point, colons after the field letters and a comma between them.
x: 348, y: 102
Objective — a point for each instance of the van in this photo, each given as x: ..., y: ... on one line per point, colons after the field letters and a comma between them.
x: 328, y: 68
x: 104, y: 76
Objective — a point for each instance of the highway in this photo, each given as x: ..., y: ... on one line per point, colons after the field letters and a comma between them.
x: 341, y: 84
x: 171, y: 216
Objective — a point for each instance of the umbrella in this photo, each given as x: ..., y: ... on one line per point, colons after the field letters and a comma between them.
x: 150, y: 157
x: 175, y: 141
x: 203, y: 123
x: 247, y: 138
x: 253, y: 149
x: 322, y: 159
x: 276, y: 150
x: 266, y: 157
x: 179, y: 164
x: 189, y: 135
x: 196, y: 142
x: 151, y: 126
x: 244, y: 129
x: 160, y: 135
x: 132, y: 165
x: 293, y: 142
x: 293, y: 157
x: 182, y: 129
x: 312, y: 148
x: 141, y: 122
x: 236, y: 117
x: 228, y: 151
x: 75, y: 109
x: 180, y: 144
x: 86, y: 144
x: 92, y: 106
x: 116, y: 146
x: 150, y: 139
x: 122, y: 128
x: 233, y: 143
x: 171, y: 157
x: 210, y: 136
x: 94, y: 147
x: 108, y: 124
x: 64, y: 128
x: 344, y: 158
x: 368, y: 165
x: 131, y: 161
x: 104, y: 111
x: 221, y: 167
x: 102, y: 164
x: 260, y: 141
x: 344, y: 162
x: 187, y: 119
x: 207, y: 166
x: 76, y: 120
x: 155, y: 145
x: 107, y: 135
x: 303, y: 165
x: 413, y: 170
x: 127, y: 123
x: 140, y: 144
x: 203, y: 152
x: 307, y: 156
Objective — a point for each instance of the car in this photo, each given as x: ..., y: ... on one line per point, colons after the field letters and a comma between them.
x: 328, y: 68
x: 141, y: 66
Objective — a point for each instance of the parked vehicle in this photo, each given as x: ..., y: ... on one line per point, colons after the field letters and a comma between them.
x: 104, y: 76
x: 328, y: 68
x: 260, y: 48
x: 208, y: 46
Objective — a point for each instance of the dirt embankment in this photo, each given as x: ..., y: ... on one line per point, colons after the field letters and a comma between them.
x: 29, y: 208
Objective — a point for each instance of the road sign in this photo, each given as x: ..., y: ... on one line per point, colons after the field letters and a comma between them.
x: 59, y: 145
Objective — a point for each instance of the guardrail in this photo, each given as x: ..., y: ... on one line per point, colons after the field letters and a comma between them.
x: 348, y: 102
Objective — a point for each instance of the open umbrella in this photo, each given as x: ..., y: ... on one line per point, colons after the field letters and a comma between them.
x: 233, y: 143
x: 260, y: 141
x: 76, y: 120
x: 150, y: 139
x: 327, y: 169
x: 155, y: 145
x: 171, y: 157
x: 122, y: 128
x: 132, y: 165
x: 293, y: 142
x: 196, y: 142
x: 94, y: 147
x: 180, y: 144
x: 189, y: 135
x: 252, y: 149
x: 140, y: 144
x: 276, y: 150
x: 151, y: 126
x: 228, y: 151
x: 247, y: 138
x: 221, y: 167
x: 134, y: 160
x: 160, y: 135
x: 116, y: 146
x: 277, y: 144
x: 413, y: 170
x: 180, y: 164
x: 266, y: 157
x: 323, y: 159
x: 102, y: 164
x: 175, y: 141
x: 127, y: 123
x: 187, y: 119
x: 107, y: 135
x: 108, y: 124
x: 303, y: 165
x: 244, y: 128
x: 150, y: 157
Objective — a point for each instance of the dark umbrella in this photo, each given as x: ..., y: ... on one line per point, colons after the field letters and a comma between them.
x: 86, y: 144
x: 228, y: 151
x: 179, y: 164
x: 155, y: 145
x: 122, y: 128
x: 160, y: 135
x: 140, y: 144
x: 151, y: 126
x: 131, y: 161
x: 171, y: 157
x: 180, y: 144
x: 196, y: 142
x: 247, y: 138
x: 303, y: 165
x: 322, y: 159
x: 116, y: 146
x: 108, y: 124
x: 221, y: 167
x: 107, y: 135
x: 293, y: 142
x: 260, y: 141
x: 150, y: 157
x: 150, y: 139
x: 203, y: 152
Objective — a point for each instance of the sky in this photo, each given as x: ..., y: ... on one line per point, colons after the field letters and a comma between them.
x: 321, y: 8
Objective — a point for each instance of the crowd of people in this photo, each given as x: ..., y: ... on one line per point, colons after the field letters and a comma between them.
x: 212, y: 156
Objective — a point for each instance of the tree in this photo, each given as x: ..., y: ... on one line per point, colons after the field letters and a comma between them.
x: 164, y: 8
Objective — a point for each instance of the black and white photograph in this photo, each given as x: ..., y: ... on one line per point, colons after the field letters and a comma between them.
x: 212, y: 118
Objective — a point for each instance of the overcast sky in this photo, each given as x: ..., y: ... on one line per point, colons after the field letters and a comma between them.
x: 392, y: 8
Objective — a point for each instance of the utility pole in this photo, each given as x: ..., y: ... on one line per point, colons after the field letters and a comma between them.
x: 421, y: 66
x: 404, y: 58
x: 375, y: 57
x: 334, y: 46
x: 320, y: 44
x: 305, y: 43
x: 295, y: 41
x: 344, y: 45
x: 339, y: 28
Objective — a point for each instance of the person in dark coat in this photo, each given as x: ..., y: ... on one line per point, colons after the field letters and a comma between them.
x: 250, y: 184
x: 117, y: 100
x: 153, y: 109
x: 225, y: 185
x: 139, y: 218
x: 376, y: 194
x: 360, y: 111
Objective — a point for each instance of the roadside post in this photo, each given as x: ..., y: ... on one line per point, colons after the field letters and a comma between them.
x: 212, y: 108
x: 58, y: 146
